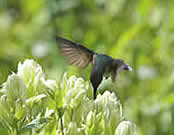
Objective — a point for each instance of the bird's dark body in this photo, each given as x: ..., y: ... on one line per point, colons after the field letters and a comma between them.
x: 100, y: 65
x: 77, y: 55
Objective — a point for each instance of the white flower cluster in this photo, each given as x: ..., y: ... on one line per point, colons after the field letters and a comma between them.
x: 27, y: 96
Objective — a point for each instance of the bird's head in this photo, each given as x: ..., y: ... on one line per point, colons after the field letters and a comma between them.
x: 120, y: 65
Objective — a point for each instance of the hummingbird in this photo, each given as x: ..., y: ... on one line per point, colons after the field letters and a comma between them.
x: 102, y: 65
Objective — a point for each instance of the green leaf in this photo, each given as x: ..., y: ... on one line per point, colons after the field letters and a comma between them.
x: 60, y: 112
x: 35, y: 100
x: 30, y: 126
x: 20, y: 110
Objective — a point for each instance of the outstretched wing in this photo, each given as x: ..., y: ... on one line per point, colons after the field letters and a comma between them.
x: 74, y: 54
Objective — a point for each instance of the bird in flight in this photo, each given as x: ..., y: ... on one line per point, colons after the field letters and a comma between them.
x: 102, y: 65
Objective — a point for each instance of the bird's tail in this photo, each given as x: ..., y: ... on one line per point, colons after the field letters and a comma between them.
x: 95, y: 93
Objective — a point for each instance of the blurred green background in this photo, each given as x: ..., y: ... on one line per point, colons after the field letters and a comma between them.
x: 141, y: 32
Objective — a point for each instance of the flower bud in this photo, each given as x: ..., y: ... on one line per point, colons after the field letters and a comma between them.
x: 14, y: 88
x: 111, y: 108
x: 126, y: 128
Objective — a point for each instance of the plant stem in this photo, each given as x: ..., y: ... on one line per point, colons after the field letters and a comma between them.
x: 61, y: 123
x: 17, y: 130
x: 72, y: 115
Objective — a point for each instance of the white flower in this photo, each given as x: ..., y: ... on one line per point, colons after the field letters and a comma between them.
x: 30, y: 71
x: 94, y: 123
x: 73, y: 129
x: 126, y: 128
x: 14, y: 88
x: 75, y: 91
x: 112, y: 110
x: 32, y: 75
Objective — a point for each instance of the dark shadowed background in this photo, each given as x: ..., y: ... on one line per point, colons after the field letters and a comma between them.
x: 139, y: 31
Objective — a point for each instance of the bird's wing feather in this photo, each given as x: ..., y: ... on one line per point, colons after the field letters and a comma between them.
x: 74, y: 54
